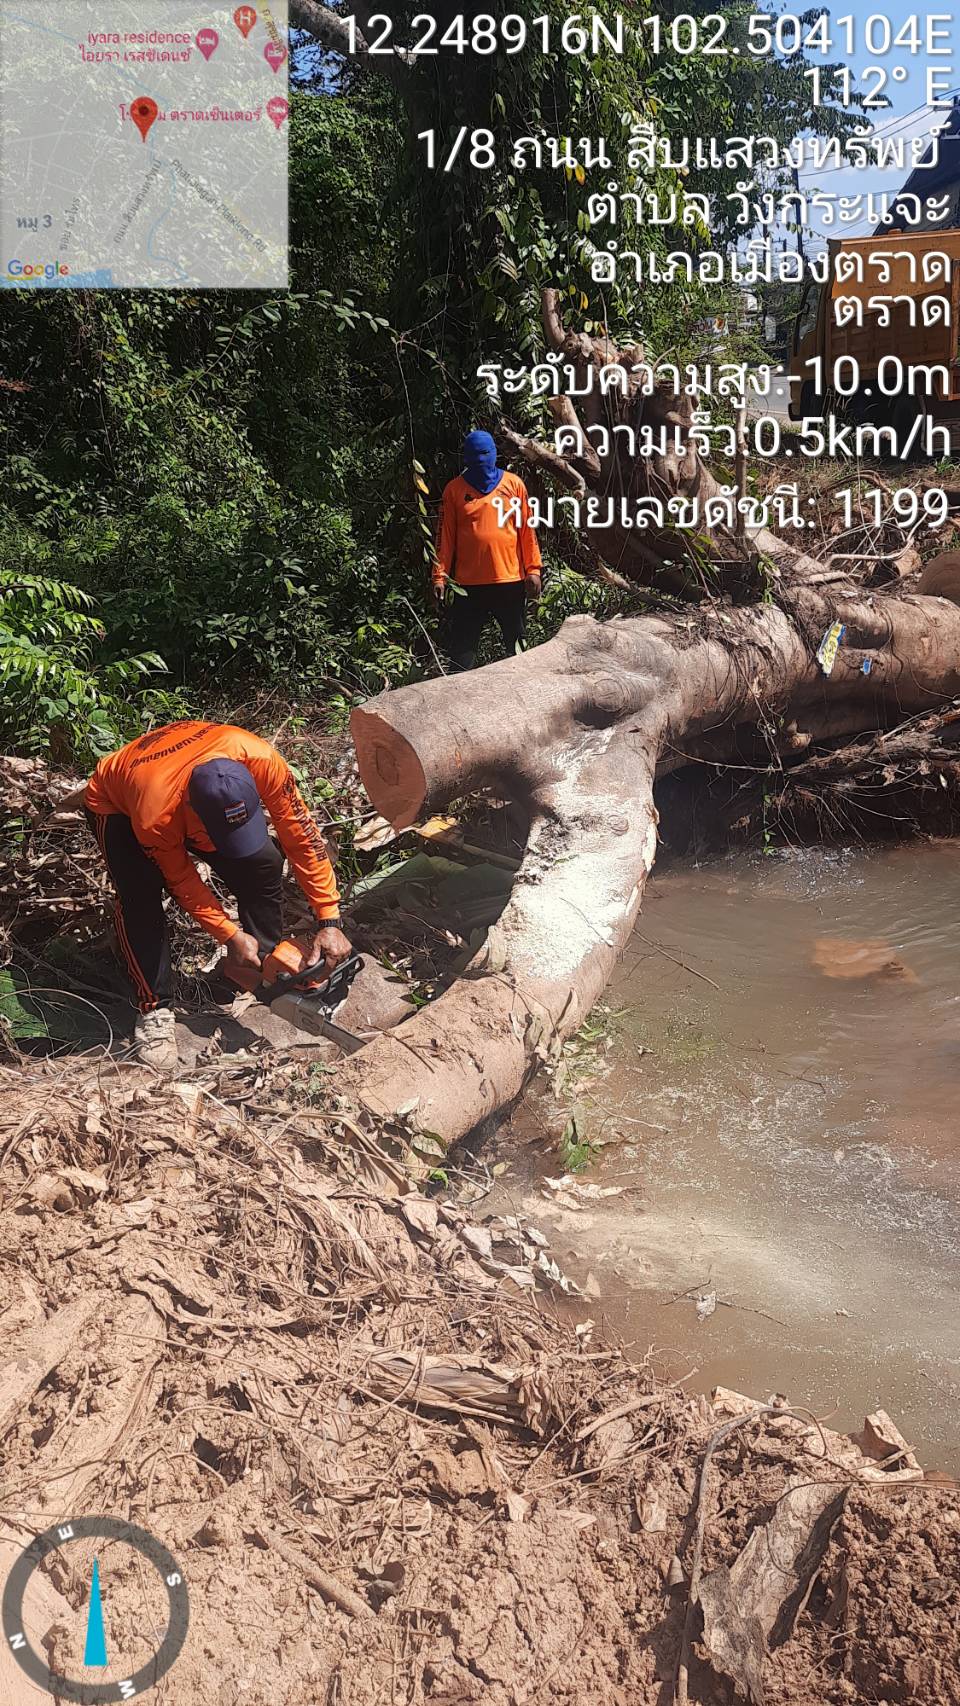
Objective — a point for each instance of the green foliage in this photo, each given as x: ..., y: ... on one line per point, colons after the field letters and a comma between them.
x: 212, y: 496
x: 577, y: 1153
x: 52, y: 685
x: 17, y: 1022
x: 179, y: 503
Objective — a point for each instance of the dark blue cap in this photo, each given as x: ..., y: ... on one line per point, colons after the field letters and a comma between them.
x: 224, y: 796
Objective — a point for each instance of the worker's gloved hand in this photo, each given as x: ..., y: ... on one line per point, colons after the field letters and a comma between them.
x: 439, y: 590
x: 242, y: 961
x: 331, y: 946
x: 534, y: 588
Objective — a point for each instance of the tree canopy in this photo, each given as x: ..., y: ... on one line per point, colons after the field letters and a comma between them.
x: 207, y: 494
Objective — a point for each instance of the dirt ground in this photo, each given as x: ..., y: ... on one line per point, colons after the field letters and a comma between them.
x: 391, y: 1467
x: 389, y: 1470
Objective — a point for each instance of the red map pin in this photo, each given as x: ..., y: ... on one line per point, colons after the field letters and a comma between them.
x: 245, y: 17
x: 208, y: 41
x: 144, y: 112
x: 274, y: 54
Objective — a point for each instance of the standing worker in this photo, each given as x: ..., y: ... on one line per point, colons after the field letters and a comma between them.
x: 200, y: 789
x: 497, y: 565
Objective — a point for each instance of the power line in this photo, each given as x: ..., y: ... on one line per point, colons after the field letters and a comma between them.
x: 886, y: 135
x: 904, y: 118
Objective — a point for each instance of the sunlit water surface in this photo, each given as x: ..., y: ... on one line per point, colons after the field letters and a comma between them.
x: 786, y: 1137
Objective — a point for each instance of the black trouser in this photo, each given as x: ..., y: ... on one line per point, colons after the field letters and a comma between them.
x: 472, y: 609
x: 255, y: 884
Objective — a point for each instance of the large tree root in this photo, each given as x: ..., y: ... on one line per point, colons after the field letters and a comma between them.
x: 578, y: 729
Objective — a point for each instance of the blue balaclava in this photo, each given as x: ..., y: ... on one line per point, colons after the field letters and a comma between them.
x: 480, y: 463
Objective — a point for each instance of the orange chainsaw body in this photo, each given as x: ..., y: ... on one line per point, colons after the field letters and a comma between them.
x: 288, y: 957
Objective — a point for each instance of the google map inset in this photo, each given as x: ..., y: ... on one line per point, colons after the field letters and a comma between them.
x: 143, y: 143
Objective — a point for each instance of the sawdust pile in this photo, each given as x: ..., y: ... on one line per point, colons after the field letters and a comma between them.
x: 390, y: 1471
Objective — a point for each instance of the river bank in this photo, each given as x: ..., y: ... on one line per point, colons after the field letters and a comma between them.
x: 397, y: 1456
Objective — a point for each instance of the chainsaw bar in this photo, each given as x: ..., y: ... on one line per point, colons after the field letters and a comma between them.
x: 312, y: 1009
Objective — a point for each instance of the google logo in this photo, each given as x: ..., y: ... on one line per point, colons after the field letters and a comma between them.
x: 36, y: 269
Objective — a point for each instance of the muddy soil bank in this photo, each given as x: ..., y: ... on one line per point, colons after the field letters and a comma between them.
x: 390, y: 1470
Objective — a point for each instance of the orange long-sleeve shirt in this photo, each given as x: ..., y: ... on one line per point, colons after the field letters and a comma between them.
x: 147, y: 781
x: 472, y: 547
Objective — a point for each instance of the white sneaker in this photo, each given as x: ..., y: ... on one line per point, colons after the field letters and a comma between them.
x: 155, y: 1040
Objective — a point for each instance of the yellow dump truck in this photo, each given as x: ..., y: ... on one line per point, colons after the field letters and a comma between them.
x: 880, y: 338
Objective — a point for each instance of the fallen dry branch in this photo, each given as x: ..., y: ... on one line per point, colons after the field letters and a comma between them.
x: 742, y: 1605
x: 752, y: 1605
x: 383, y: 1463
x: 681, y: 1692
x: 463, y: 1387
x: 324, y: 1583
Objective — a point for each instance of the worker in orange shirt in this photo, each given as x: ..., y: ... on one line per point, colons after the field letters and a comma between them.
x: 200, y: 789
x: 497, y: 564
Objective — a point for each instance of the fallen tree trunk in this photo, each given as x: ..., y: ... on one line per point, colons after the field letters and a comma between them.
x: 578, y: 730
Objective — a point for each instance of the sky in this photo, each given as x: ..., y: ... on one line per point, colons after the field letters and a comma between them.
x: 906, y: 97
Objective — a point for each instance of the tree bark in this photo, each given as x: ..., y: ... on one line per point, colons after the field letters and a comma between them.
x: 578, y: 729
x: 330, y: 29
x: 671, y: 557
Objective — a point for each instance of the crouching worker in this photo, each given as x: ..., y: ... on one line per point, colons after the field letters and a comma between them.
x: 202, y: 789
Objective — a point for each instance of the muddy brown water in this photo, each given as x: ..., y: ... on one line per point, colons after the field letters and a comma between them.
x: 782, y: 1135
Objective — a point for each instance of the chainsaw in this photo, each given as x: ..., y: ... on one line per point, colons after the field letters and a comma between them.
x: 291, y: 990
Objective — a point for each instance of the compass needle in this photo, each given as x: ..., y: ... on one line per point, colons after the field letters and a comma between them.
x: 95, y: 1649
x: 100, y: 1690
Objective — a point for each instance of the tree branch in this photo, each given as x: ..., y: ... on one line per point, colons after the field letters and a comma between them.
x: 330, y: 29
x: 564, y: 414
x: 541, y: 457
x: 550, y: 315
